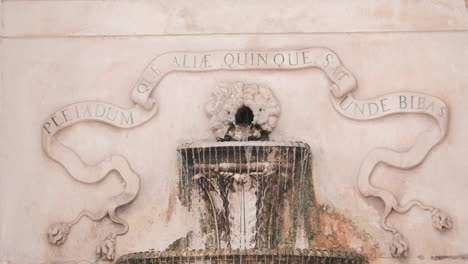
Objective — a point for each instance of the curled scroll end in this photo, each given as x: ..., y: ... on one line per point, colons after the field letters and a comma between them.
x: 57, y: 233
x: 143, y: 99
x: 336, y: 91
x: 344, y: 88
x: 441, y: 221
x: 399, y: 247
x: 106, y: 249
x: 151, y: 105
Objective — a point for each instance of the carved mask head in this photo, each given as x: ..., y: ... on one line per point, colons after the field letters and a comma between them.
x: 239, y: 111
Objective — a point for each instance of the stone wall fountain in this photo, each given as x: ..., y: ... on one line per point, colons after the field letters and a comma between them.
x: 254, y: 198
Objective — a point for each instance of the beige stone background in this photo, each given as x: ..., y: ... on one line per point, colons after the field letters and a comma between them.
x: 56, y: 52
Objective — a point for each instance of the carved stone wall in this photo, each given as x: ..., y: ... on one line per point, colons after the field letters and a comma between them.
x: 86, y: 62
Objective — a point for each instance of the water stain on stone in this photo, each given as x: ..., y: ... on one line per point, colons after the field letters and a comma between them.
x: 338, y: 232
x: 170, y: 206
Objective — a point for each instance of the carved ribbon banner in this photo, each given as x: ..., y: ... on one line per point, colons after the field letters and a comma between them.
x: 342, y: 86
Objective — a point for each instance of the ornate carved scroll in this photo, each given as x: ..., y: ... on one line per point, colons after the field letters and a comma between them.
x: 342, y: 86
x: 396, y: 103
x: 87, y: 173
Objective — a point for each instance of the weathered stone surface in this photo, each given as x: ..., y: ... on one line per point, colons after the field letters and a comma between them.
x: 253, y: 195
x: 142, y: 17
x: 55, y: 53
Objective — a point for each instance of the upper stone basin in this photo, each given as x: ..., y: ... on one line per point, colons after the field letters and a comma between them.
x: 252, y: 194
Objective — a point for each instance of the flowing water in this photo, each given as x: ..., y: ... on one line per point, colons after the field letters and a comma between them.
x: 255, y: 190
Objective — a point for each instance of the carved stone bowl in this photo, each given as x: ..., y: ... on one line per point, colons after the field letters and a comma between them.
x: 252, y: 194
x: 253, y: 256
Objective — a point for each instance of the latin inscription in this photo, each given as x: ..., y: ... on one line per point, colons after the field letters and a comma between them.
x: 323, y: 58
x: 401, y: 103
x: 239, y: 59
x: 97, y: 111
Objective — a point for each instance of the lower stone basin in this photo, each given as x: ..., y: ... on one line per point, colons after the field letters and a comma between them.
x: 252, y: 256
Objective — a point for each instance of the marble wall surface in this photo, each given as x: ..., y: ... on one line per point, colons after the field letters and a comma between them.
x: 57, y: 52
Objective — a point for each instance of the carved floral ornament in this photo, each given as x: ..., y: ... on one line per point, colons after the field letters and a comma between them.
x: 224, y: 104
x: 342, y: 86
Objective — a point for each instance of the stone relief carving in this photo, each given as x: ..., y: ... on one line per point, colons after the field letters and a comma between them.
x: 90, y: 174
x: 256, y: 194
x: 249, y: 192
x: 394, y: 104
x: 342, y: 86
x: 224, y: 103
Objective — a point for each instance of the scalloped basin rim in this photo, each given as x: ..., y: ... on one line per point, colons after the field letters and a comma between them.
x: 211, y: 144
x: 304, y: 256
